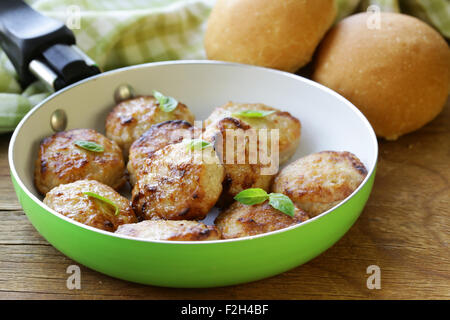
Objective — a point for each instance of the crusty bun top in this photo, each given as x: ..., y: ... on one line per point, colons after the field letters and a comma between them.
x: 276, y: 34
x: 398, y: 75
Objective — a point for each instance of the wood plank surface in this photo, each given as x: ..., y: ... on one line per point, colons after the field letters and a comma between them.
x: 404, y: 229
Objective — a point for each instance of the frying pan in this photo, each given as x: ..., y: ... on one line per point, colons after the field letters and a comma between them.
x: 329, y: 122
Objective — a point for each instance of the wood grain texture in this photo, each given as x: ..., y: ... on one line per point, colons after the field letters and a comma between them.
x: 404, y: 229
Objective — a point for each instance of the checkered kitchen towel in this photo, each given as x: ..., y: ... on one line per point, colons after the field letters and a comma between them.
x: 114, y: 33
x: 117, y: 33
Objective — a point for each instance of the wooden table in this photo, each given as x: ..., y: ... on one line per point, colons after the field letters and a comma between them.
x: 404, y: 229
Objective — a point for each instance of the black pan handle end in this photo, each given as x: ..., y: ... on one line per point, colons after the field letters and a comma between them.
x: 41, y: 47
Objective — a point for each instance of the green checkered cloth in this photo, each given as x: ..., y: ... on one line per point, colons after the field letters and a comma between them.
x: 117, y: 33
x: 114, y: 33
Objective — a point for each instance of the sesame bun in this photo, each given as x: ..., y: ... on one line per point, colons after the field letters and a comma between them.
x: 275, y: 34
x: 397, y: 74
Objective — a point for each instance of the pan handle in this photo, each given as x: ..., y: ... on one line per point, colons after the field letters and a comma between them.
x: 41, y: 47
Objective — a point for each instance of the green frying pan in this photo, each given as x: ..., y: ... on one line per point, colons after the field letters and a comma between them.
x: 329, y: 122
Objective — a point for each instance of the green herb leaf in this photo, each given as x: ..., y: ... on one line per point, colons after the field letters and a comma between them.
x: 89, y: 145
x: 282, y: 203
x: 99, y: 197
x: 166, y: 104
x: 278, y: 201
x: 252, y: 196
x: 198, y: 144
x: 253, y: 113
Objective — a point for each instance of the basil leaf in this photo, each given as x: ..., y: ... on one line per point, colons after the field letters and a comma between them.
x: 282, y: 203
x: 166, y: 104
x: 198, y: 144
x: 89, y: 145
x: 253, y: 113
x: 252, y: 196
x: 106, y: 200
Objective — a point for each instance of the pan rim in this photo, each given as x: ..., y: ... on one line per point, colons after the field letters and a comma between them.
x: 40, y: 203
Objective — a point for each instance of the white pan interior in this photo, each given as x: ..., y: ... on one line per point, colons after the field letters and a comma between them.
x: 329, y: 122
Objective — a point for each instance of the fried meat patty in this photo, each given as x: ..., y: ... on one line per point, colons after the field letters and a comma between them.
x: 72, y: 201
x: 241, y: 220
x: 178, y: 183
x: 131, y: 118
x: 60, y: 160
x: 174, y: 230
x: 321, y: 180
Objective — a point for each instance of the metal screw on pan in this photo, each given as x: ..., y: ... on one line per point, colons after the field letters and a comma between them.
x: 123, y: 92
x: 58, y: 120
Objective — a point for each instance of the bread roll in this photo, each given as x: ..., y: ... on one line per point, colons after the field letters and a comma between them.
x: 275, y: 34
x: 397, y: 74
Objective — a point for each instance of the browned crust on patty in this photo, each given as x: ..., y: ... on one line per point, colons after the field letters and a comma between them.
x: 131, y: 118
x: 173, y: 230
x: 174, y: 184
x: 238, y: 176
x: 241, y: 220
x: 321, y: 180
x: 60, y: 161
x: 289, y: 126
x: 157, y: 137
x: 70, y: 200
